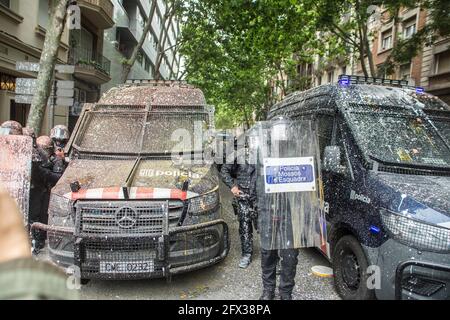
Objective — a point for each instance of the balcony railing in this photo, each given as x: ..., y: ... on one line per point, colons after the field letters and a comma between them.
x: 89, y: 59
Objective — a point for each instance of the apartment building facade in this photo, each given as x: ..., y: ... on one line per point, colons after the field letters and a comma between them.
x: 110, y: 29
x: 23, y: 25
x: 131, y: 17
x: 92, y: 69
x: 430, y: 69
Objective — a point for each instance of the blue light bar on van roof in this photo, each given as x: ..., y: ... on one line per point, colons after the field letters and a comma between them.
x: 346, y: 80
x: 420, y: 90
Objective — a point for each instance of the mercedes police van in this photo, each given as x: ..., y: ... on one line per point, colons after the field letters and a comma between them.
x: 136, y: 201
x: 385, y: 163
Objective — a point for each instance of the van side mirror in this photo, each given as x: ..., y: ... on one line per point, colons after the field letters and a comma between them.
x: 332, y: 159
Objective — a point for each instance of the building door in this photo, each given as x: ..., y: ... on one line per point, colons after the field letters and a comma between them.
x: 19, y: 112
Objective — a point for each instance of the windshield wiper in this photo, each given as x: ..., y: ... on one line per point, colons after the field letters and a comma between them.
x: 409, y: 165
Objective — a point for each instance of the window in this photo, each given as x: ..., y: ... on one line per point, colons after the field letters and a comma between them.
x: 140, y: 18
x: 442, y: 62
x: 386, y: 40
x: 325, y: 126
x: 330, y: 76
x: 340, y: 142
x: 6, y: 3
x: 147, y: 64
x: 405, y: 71
x: 344, y: 70
x: 43, y: 13
x: 410, y: 31
x: 309, y: 69
x: 140, y: 57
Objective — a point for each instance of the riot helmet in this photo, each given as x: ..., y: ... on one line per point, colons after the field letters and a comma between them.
x: 11, y: 127
x: 60, y: 135
x: 46, y: 145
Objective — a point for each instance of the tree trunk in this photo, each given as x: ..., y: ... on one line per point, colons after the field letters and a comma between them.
x: 47, y: 64
x: 162, y: 39
x: 129, y: 64
x: 361, y: 53
x: 368, y: 51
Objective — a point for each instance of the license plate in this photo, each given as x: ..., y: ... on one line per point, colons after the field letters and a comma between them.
x: 127, y: 267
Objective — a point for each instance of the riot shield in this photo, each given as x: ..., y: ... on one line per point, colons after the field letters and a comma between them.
x: 15, y: 169
x: 290, y: 203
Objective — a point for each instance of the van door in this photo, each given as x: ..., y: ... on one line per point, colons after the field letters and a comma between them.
x: 337, y: 182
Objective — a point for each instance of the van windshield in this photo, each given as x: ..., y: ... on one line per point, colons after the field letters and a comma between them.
x: 443, y: 127
x: 140, y: 132
x: 400, y: 139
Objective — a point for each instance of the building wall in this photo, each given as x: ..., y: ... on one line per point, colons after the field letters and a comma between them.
x: 21, y: 39
x: 423, y: 70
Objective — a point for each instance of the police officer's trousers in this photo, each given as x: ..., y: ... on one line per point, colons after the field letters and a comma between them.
x: 245, y: 225
x: 269, y: 260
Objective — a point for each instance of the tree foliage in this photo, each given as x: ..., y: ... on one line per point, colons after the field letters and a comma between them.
x: 237, y: 50
x: 233, y: 49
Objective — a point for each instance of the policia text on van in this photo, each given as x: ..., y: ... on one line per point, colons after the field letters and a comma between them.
x: 124, y: 208
x: 386, y: 175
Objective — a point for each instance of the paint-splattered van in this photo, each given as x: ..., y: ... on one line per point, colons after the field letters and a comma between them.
x: 137, y: 200
x: 385, y: 162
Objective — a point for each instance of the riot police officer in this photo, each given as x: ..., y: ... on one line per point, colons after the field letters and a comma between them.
x: 43, y: 178
x: 60, y: 135
x: 238, y: 177
x: 275, y: 212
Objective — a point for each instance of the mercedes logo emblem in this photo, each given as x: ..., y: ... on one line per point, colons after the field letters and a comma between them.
x: 126, y: 218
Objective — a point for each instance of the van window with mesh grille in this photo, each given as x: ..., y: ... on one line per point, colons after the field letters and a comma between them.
x: 111, y: 132
x: 399, y: 139
x: 142, y: 132
x: 174, y: 132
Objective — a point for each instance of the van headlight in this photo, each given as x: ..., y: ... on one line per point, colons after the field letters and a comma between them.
x: 59, y: 206
x: 415, y: 233
x: 204, y: 203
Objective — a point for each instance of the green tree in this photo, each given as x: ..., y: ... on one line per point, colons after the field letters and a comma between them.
x: 234, y: 49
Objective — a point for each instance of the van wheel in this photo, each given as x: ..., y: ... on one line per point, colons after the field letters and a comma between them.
x: 350, y: 270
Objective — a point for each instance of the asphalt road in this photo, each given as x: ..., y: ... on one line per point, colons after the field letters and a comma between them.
x: 224, y: 281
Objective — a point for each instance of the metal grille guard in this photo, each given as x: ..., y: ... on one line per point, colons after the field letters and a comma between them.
x: 163, y: 245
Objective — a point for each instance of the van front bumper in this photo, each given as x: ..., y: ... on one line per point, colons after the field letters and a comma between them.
x: 183, y: 249
x: 407, y: 273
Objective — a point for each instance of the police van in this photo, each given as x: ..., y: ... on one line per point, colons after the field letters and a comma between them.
x: 136, y: 201
x: 385, y: 166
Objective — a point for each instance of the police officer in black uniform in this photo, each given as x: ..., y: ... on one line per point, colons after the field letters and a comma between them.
x: 271, y: 223
x: 43, y: 178
x: 238, y: 177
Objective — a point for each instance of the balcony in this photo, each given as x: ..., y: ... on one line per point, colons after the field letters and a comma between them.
x: 90, y: 66
x: 98, y: 12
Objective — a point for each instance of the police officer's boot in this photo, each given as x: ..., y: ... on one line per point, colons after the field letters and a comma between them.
x: 245, y: 261
x: 286, y: 296
x: 268, y: 294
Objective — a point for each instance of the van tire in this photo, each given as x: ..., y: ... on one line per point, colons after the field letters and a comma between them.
x: 349, y: 268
